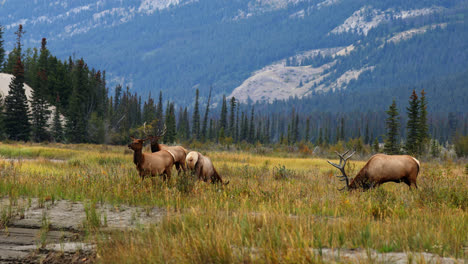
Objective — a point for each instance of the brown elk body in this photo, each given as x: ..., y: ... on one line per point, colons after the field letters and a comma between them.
x: 178, y: 152
x: 159, y: 163
x: 203, y: 167
x: 380, y: 169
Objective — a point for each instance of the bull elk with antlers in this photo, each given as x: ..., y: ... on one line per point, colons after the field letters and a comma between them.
x: 178, y: 152
x: 159, y: 163
x: 380, y: 169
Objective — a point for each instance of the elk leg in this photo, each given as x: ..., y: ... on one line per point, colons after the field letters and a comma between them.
x: 407, y: 181
x: 177, y: 166
x: 183, y: 165
x: 168, y: 173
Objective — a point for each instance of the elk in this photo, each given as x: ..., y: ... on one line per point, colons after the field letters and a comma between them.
x: 380, y: 169
x: 203, y: 167
x: 178, y: 152
x: 159, y: 163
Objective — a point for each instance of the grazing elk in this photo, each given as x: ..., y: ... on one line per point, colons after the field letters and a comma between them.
x: 380, y: 169
x: 178, y: 152
x: 159, y: 163
x: 203, y: 167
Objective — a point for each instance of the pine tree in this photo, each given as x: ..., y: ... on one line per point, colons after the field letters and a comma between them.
x: 376, y: 147
x: 320, y: 138
x: 2, y: 118
x: 2, y: 49
x: 196, y: 119
x: 76, y: 126
x: 57, y: 129
x: 435, y: 151
x: 252, y: 127
x: 223, y: 116
x: 205, y: 118
x: 307, y: 130
x: 17, y: 124
x: 296, y: 129
x: 237, y: 126
x: 423, y: 131
x: 159, y: 112
x: 16, y: 54
x: 186, y: 124
x: 232, y: 118
x: 170, y: 124
x: 39, y: 104
x: 17, y: 114
x: 391, y: 142
x: 149, y: 110
x: 412, y: 125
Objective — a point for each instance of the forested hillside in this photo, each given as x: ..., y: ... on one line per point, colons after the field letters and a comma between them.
x: 177, y: 46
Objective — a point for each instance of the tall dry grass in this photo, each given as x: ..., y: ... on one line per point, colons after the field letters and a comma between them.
x: 275, y: 209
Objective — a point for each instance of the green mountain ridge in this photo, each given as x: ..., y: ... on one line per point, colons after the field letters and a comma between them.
x: 199, y: 44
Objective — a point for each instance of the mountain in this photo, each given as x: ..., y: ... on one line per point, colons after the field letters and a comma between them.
x: 257, y: 49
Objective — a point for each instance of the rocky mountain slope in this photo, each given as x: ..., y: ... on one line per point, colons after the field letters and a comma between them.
x: 240, y: 47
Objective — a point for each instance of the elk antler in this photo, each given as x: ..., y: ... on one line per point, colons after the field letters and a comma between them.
x: 144, y: 129
x: 160, y: 133
x: 341, y: 167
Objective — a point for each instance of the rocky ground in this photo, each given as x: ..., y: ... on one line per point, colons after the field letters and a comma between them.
x: 41, y: 231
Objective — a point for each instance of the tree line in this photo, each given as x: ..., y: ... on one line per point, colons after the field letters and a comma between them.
x: 71, y: 103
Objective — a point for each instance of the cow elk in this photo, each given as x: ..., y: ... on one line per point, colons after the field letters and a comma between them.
x: 159, y: 163
x: 380, y: 169
x: 203, y: 167
x: 178, y: 152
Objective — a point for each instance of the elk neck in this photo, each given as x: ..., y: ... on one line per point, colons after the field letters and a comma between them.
x: 138, y: 157
x: 155, y: 147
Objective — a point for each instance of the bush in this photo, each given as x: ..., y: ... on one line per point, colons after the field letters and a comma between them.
x: 185, y: 182
x: 281, y: 173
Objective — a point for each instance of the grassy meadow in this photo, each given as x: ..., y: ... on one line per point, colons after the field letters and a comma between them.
x: 276, y: 208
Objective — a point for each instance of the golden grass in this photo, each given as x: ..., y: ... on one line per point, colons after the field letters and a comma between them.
x: 258, y: 217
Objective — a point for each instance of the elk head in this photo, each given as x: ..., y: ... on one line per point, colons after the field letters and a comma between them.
x: 154, y: 139
x: 341, y: 167
x: 137, y: 144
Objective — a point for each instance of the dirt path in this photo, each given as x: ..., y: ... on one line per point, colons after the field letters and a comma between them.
x: 38, y: 231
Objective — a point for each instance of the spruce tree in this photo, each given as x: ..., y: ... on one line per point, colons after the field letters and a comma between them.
x: 57, y: 129
x: 170, y: 124
x: 205, y: 118
x: 376, y: 147
x: 39, y: 104
x: 391, y: 142
x: 423, y: 132
x: 186, y: 124
x: 76, y: 126
x: 307, y: 130
x: 196, y: 118
x: 320, y: 138
x: 223, y: 116
x: 412, y: 125
x: 296, y: 129
x: 252, y: 128
x: 2, y: 48
x: 17, y: 125
x: 149, y: 110
x: 16, y: 53
x: 232, y: 118
x: 159, y: 112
